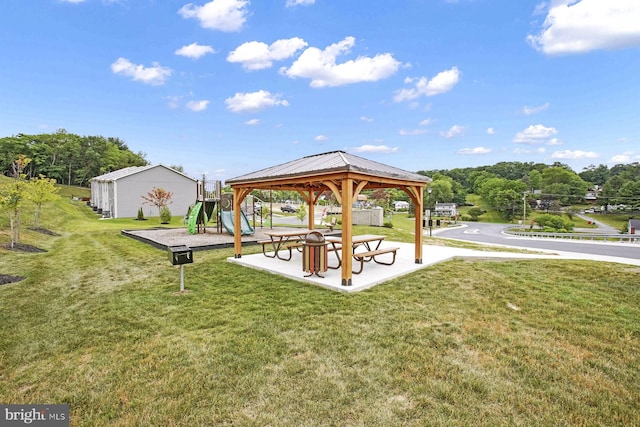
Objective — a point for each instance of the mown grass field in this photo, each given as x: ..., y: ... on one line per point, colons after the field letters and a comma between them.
x: 97, y: 324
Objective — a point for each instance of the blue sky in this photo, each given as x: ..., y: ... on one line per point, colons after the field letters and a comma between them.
x: 227, y: 87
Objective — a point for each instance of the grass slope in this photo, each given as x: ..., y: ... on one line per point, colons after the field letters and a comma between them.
x: 97, y: 324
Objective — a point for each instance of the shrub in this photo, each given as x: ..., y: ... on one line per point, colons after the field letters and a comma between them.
x: 554, y: 223
x: 140, y: 215
x: 165, y: 215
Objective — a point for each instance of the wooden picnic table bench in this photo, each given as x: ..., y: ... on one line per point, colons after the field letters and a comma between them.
x: 371, y: 255
x: 283, y: 239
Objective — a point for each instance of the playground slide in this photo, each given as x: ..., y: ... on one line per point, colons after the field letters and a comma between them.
x: 192, y: 222
x: 227, y: 223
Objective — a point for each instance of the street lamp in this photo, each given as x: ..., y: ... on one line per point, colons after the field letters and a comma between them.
x: 430, y: 221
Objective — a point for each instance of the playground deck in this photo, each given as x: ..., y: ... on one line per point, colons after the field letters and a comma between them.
x: 161, y: 238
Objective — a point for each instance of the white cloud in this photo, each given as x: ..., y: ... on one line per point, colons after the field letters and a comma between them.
x: 254, y: 101
x: 197, y: 105
x: 491, y: 131
x: 443, y: 82
x: 535, y: 134
x: 374, y: 149
x: 194, y: 50
x: 626, y: 157
x: 320, y: 66
x: 475, y: 150
x: 426, y: 122
x: 257, y: 55
x: 578, y: 26
x: 252, y: 122
x: 155, y: 75
x: 527, y: 111
x: 366, y: 119
x: 223, y: 15
x: 455, y: 130
x: 292, y: 3
x: 412, y: 132
x: 574, y: 155
x: 321, y: 138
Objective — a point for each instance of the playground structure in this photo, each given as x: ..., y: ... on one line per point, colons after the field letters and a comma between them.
x: 211, y: 202
x: 208, y: 195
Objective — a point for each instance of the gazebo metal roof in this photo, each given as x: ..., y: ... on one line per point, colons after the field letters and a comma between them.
x: 345, y: 175
x: 329, y: 163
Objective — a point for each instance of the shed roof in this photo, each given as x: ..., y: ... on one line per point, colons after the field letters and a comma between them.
x: 131, y: 170
x: 327, y: 163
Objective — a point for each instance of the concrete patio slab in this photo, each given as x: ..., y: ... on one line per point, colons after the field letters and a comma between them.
x: 374, y: 274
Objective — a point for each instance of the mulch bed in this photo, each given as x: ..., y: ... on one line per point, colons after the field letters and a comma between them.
x: 43, y: 231
x: 21, y: 247
x: 5, y: 279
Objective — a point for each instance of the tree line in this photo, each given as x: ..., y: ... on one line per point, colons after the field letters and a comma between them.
x: 512, y: 187
x: 67, y: 158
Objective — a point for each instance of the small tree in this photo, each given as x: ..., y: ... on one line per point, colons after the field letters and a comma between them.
x: 13, y: 195
x: 158, y: 197
x: 42, y: 190
x: 474, y: 213
x: 302, y: 212
x: 165, y: 215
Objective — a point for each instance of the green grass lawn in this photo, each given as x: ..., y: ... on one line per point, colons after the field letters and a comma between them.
x: 97, y: 324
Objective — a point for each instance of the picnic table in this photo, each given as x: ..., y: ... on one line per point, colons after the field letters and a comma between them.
x: 283, y: 239
x: 370, y: 242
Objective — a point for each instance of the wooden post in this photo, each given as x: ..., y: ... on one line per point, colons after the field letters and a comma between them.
x: 418, y: 225
x: 237, y: 224
x: 347, y: 231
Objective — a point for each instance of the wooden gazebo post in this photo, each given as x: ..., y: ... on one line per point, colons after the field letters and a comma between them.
x: 347, y: 230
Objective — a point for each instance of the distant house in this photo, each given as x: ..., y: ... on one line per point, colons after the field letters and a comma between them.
x: 118, y: 194
x: 446, y: 209
x: 400, y: 205
x: 634, y: 226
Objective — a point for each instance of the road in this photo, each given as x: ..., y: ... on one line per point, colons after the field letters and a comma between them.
x: 493, y: 234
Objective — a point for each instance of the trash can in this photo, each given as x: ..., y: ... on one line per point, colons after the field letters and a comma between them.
x: 314, y: 254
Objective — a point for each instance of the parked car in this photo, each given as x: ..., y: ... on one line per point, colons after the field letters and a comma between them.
x: 288, y: 209
x: 589, y: 211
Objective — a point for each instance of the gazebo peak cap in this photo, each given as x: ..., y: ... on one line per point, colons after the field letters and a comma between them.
x: 328, y: 162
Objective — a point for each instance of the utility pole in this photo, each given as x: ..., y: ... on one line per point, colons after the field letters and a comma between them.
x: 524, y: 208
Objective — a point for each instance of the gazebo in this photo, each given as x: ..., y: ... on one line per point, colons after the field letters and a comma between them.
x: 345, y: 175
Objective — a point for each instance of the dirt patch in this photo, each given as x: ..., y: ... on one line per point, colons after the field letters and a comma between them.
x: 5, y: 279
x: 21, y: 247
x: 43, y: 231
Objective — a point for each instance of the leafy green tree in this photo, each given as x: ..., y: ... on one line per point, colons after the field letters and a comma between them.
x: 563, y: 185
x: 441, y: 191
x: 302, y: 212
x: 13, y: 195
x: 534, y: 180
x: 40, y: 191
x: 595, y: 175
x: 474, y: 213
x: 504, y: 195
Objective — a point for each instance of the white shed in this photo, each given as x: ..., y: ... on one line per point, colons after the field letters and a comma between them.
x: 118, y: 194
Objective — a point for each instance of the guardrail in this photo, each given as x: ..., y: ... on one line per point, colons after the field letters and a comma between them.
x: 629, y: 238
